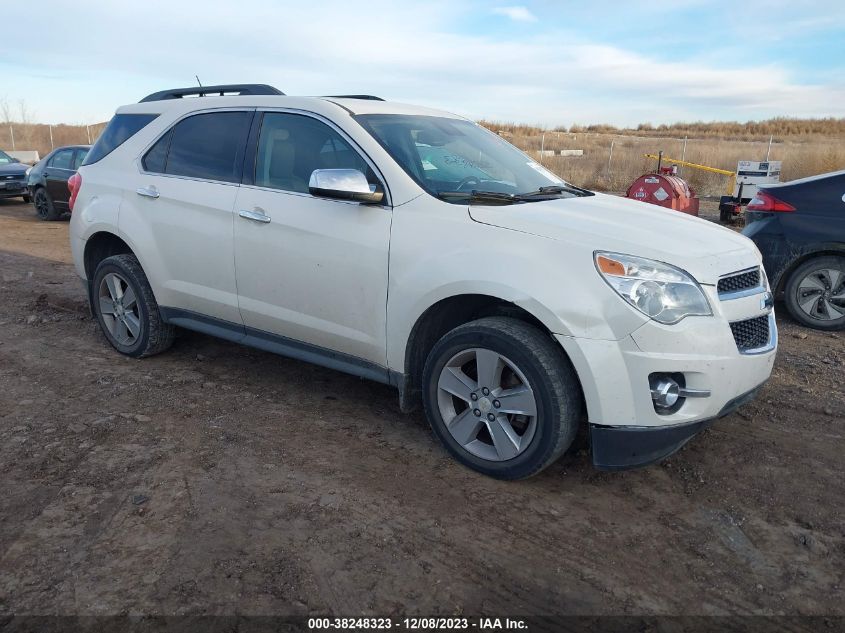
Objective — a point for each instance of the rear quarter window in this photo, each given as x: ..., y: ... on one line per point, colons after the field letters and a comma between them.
x: 121, y: 128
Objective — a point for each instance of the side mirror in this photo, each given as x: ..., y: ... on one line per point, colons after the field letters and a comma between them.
x: 344, y: 184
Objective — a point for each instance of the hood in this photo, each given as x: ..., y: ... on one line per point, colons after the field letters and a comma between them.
x: 13, y: 168
x: 611, y: 223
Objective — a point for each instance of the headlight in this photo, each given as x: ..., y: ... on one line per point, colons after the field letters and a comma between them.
x: 660, y: 291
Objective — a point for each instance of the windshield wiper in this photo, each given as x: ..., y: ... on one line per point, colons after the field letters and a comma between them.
x: 493, y: 197
x: 553, y: 190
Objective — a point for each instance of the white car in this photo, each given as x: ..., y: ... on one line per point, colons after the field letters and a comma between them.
x: 415, y: 248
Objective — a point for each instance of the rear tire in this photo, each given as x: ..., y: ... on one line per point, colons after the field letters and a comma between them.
x: 815, y: 293
x: 503, y: 366
x: 44, y: 206
x: 126, y: 309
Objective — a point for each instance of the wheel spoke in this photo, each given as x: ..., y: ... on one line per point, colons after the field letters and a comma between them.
x: 465, y: 427
x: 809, y: 301
x: 517, y: 400
x: 106, y: 306
x: 133, y: 324
x: 505, y: 440
x: 128, y: 297
x: 121, y: 332
x: 456, y: 382
x: 834, y: 275
x: 489, y: 366
x: 111, y: 323
x: 833, y: 311
x: 811, y: 282
x: 113, y: 284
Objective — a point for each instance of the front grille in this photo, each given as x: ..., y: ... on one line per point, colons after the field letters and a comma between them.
x: 13, y: 177
x: 751, y: 333
x: 739, y: 281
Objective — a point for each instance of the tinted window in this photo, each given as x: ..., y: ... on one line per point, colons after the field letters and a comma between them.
x: 119, y: 129
x: 155, y: 160
x: 62, y: 159
x: 78, y: 158
x: 291, y: 146
x: 209, y: 146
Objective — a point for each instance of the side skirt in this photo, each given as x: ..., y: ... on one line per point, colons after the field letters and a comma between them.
x: 280, y: 345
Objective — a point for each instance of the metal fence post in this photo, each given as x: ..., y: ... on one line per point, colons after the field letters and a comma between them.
x: 12, y: 134
x: 542, y: 146
x: 610, y: 156
x: 52, y: 147
x: 769, y: 151
x: 88, y: 132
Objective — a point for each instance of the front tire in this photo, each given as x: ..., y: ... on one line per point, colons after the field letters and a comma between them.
x: 815, y: 293
x: 126, y: 309
x: 502, y: 397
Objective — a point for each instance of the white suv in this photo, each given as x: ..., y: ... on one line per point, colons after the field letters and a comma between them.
x: 415, y: 248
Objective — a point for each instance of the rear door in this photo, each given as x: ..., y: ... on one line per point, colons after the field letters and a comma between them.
x: 179, y: 212
x: 56, y: 174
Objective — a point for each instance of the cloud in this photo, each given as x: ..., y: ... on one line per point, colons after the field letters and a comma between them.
x: 517, y: 14
x: 553, y: 75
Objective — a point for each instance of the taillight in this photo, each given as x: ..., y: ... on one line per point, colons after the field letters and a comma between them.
x: 767, y: 202
x: 74, y: 184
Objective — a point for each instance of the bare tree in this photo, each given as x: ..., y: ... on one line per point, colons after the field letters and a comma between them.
x: 25, y: 113
x: 5, y: 110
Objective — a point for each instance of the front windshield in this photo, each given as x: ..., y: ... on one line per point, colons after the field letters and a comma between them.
x: 450, y: 156
x: 5, y: 159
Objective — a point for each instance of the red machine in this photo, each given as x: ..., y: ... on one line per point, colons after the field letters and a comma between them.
x: 665, y: 189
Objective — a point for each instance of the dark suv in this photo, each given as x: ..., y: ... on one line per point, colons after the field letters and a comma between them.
x: 12, y: 178
x: 799, y: 227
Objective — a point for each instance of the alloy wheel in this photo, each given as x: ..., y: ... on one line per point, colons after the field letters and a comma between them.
x: 821, y: 294
x: 42, y: 205
x: 487, y: 404
x: 119, y: 309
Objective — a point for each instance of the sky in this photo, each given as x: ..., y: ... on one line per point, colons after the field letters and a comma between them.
x: 538, y: 62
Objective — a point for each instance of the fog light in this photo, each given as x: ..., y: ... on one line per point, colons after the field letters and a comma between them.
x: 665, y: 392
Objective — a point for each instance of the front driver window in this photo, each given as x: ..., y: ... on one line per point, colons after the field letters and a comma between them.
x: 291, y: 146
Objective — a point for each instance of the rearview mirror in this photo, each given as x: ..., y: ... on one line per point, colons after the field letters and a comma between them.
x: 344, y: 184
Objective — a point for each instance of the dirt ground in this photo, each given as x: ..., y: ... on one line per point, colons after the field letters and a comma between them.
x: 217, y: 479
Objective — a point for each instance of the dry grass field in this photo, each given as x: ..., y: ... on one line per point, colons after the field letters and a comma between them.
x: 806, y: 147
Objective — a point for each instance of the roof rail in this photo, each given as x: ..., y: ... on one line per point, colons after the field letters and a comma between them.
x: 213, y: 91
x: 367, y: 97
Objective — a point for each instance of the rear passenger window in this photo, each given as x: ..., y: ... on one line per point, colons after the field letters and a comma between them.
x: 291, y: 146
x: 78, y: 158
x: 209, y: 146
x: 62, y: 159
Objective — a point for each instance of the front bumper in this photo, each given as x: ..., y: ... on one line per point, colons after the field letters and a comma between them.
x: 624, y: 447
x: 13, y: 189
x: 626, y: 428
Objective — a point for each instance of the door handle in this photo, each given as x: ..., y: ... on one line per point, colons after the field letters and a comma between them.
x: 257, y: 216
x: 147, y: 192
